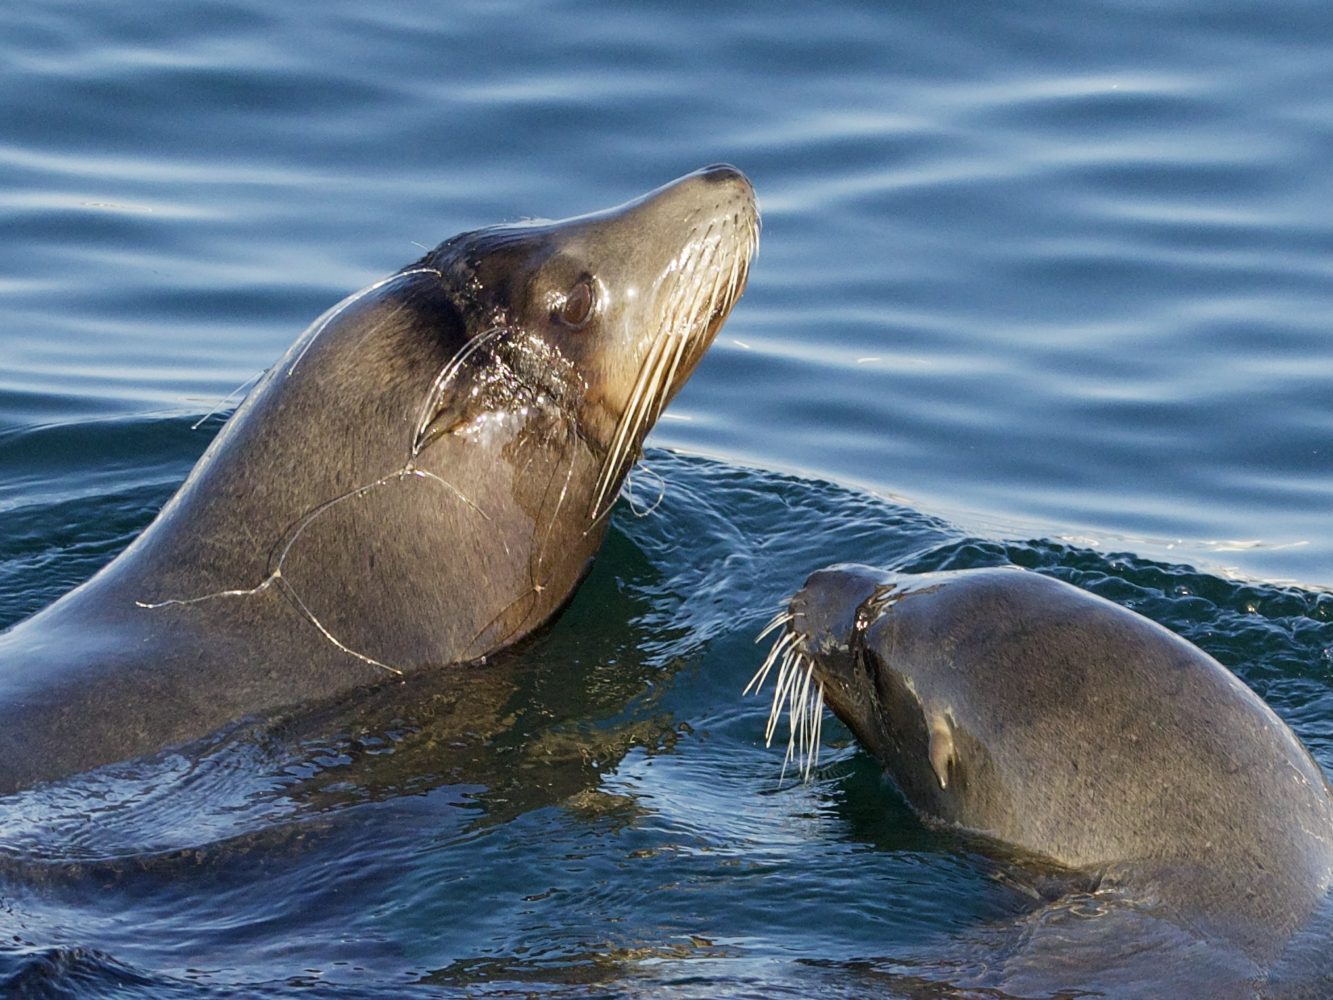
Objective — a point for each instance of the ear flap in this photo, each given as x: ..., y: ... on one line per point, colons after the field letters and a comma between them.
x: 941, y: 746
x: 452, y: 413
x: 455, y: 399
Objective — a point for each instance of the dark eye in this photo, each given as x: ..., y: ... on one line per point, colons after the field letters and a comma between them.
x: 577, y: 307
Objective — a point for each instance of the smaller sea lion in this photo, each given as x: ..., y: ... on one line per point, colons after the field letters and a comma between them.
x: 1049, y: 720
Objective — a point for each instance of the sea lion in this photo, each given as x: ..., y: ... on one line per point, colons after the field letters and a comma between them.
x: 422, y: 480
x: 1059, y: 724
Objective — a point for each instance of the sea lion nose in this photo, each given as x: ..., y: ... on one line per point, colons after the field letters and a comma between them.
x: 824, y: 611
x: 717, y: 173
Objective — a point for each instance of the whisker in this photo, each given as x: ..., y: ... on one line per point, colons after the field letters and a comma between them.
x: 643, y: 389
x: 798, y: 690
x: 631, y: 422
x: 611, y: 464
x: 796, y: 712
x: 781, y: 618
x: 782, y: 693
x: 667, y: 364
x: 760, y: 675
x: 698, y: 308
x: 813, y: 759
x: 779, y: 699
x: 680, y: 346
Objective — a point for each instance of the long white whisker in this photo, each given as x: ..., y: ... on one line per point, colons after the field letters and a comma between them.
x: 642, y: 389
x: 782, y: 692
x: 757, y: 681
x: 778, y: 620
x: 681, y: 344
x: 799, y: 690
x: 779, y: 699
x: 797, y: 707
x: 796, y: 713
x: 704, y: 299
x: 631, y: 421
x: 813, y: 759
x: 611, y: 465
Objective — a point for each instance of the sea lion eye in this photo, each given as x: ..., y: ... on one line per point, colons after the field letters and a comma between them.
x: 577, y: 307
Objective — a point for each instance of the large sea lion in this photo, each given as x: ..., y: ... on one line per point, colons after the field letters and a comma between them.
x: 1066, y: 728
x: 422, y: 480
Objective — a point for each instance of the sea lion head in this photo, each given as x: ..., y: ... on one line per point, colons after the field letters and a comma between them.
x: 605, y: 315
x: 425, y: 475
x: 837, y: 650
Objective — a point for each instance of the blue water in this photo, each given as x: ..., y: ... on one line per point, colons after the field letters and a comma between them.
x: 1036, y: 285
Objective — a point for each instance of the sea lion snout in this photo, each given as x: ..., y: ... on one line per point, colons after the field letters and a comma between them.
x: 719, y: 173
x: 827, y: 612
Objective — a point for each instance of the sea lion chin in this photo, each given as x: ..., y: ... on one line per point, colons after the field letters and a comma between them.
x: 422, y: 480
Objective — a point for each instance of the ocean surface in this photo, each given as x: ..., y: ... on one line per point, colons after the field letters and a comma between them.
x: 1045, y: 285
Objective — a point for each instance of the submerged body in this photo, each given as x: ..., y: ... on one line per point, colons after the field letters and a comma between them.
x: 1073, y: 730
x: 422, y: 480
